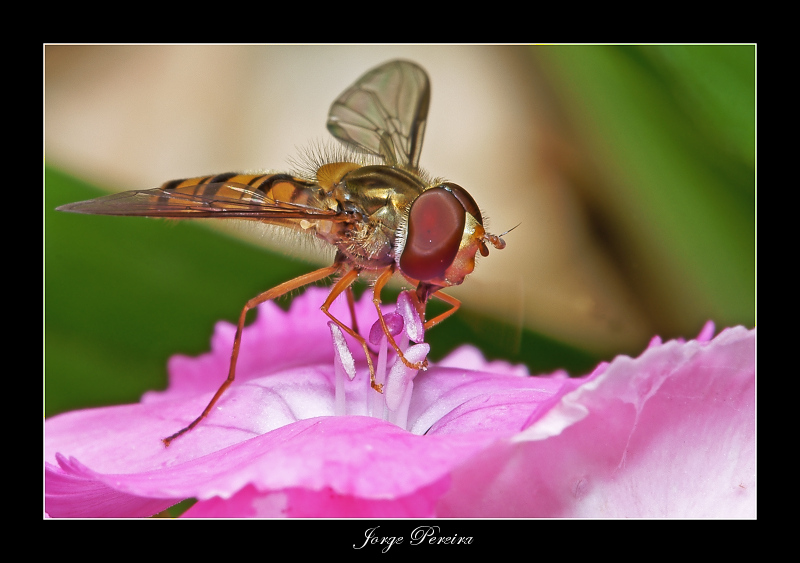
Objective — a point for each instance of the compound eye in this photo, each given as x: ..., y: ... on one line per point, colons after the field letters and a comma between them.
x: 466, y: 200
x: 435, y: 227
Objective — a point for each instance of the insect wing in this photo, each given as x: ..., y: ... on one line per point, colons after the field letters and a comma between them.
x: 201, y: 200
x: 384, y: 113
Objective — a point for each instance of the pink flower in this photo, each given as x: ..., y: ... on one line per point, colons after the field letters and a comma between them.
x: 668, y: 434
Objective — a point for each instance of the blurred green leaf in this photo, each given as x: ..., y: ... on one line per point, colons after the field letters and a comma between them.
x: 671, y: 131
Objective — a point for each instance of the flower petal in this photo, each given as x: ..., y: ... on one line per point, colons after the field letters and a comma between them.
x: 357, y: 457
x: 304, y: 503
x: 668, y: 434
x: 74, y: 492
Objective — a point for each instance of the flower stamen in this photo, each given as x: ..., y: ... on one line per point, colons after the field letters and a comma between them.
x: 403, y: 326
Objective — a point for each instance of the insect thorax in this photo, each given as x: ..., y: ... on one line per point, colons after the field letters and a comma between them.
x: 377, y: 196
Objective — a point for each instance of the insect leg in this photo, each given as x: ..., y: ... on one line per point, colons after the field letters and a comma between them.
x: 276, y: 291
x: 351, y: 304
x: 344, y: 284
x: 450, y: 300
x: 376, y: 299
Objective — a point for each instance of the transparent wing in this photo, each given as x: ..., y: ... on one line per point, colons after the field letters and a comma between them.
x: 272, y: 197
x: 384, y: 113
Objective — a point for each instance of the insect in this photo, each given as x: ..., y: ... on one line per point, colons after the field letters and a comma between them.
x: 374, y: 205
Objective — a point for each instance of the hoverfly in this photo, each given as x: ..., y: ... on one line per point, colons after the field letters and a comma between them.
x: 375, y: 206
